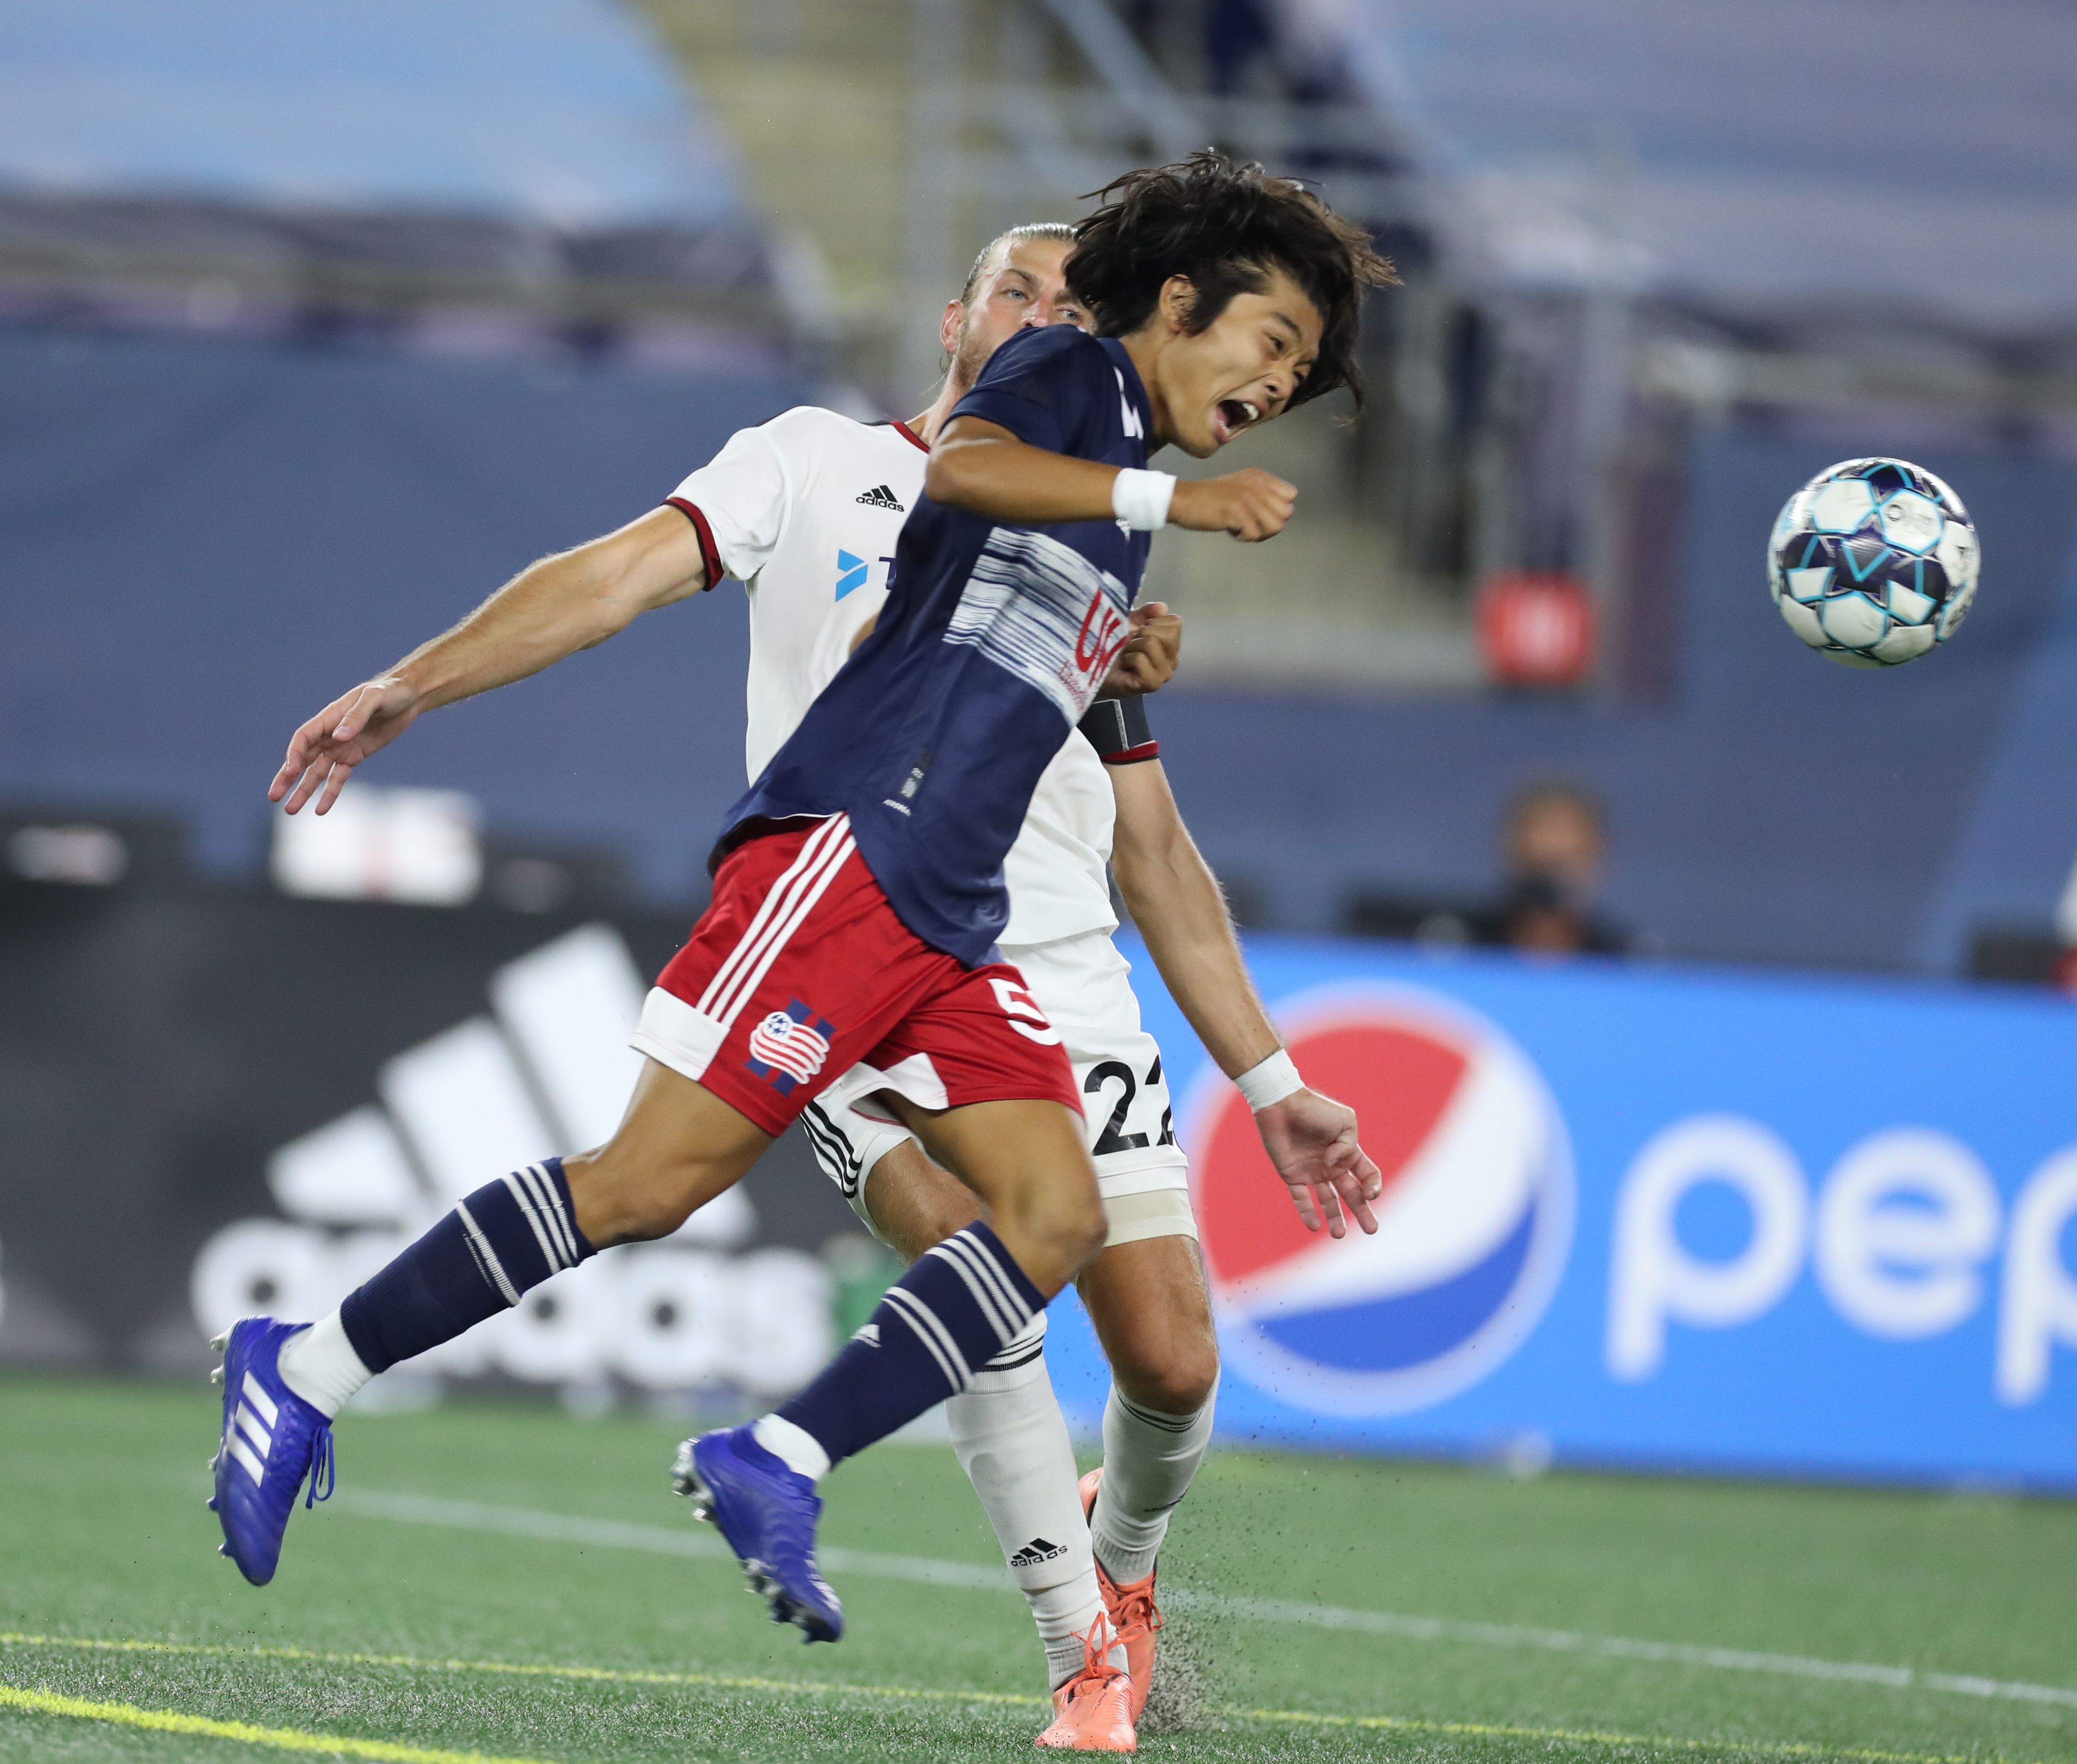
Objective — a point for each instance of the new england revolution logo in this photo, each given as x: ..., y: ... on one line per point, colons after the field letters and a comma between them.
x: 789, y: 1047
x: 1474, y: 1223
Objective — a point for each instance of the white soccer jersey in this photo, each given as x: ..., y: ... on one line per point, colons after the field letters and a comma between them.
x: 804, y: 510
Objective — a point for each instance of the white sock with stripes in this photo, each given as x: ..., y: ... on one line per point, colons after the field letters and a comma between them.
x: 1149, y: 1459
x: 1012, y: 1443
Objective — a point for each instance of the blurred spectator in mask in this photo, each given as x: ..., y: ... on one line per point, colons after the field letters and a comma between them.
x: 1555, y: 844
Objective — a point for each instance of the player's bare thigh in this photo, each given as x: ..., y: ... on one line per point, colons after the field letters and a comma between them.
x: 678, y: 1147
x: 1148, y: 1298
x: 1026, y: 1162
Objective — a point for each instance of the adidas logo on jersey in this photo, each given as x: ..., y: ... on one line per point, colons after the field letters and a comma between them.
x: 1038, y: 1551
x: 879, y: 496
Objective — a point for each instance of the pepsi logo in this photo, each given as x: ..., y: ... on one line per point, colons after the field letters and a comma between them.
x: 1474, y: 1222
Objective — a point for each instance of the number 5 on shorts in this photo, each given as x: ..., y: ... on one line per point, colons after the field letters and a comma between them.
x: 1016, y: 1003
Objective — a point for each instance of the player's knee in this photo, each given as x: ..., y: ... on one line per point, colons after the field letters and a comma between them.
x: 1177, y: 1379
x: 1071, y: 1224
x: 1091, y: 1227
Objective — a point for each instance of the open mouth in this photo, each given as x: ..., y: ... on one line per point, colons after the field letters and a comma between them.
x: 1232, y: 415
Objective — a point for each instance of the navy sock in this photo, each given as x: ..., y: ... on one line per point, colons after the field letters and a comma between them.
x: 509, y: 1235
x: 940, y: 1323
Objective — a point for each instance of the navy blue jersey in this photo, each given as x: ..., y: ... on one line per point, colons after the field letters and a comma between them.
x: 992, y: 643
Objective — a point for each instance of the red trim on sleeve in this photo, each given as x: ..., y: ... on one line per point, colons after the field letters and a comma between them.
x: 709, y: 553
x: 1131, y: 756
x: 903, y: 428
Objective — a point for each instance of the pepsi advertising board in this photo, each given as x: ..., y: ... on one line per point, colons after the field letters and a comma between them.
x: 1649, y: 1216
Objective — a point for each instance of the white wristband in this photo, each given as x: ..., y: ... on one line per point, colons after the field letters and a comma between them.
x: 1271, y: 1082
x: 1140, y: 499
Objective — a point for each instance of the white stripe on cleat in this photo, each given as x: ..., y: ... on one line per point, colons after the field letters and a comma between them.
x: 243, y: 1455
x: 260, y: 1400
x: 248, y: 1424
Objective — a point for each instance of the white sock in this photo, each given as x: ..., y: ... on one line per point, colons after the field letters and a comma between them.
x: 320, y: 1365
x: 1012, y: 1443
x: 793, y: 1445
x: 1149, y: 1459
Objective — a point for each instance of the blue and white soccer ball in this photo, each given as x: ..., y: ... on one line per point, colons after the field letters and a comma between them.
x: 1873, y: 562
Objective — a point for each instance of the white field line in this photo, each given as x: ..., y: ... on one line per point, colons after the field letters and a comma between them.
x: 666, y: 1541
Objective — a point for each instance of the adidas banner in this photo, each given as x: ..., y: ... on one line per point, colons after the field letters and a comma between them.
x: 214, y: 1102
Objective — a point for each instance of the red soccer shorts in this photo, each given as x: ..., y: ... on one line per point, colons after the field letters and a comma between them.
x: 799, y: 970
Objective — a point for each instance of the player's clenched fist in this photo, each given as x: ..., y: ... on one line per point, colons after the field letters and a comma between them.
x: 1251, y: 504
x: 1147, y: 662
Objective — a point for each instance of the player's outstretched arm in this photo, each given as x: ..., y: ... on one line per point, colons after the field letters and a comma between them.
x: 982, y: 468
x: 1177, y: 903
x: 573, y: 600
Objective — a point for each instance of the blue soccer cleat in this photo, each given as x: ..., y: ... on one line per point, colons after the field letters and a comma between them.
x: 768, y: 1514
x: 271, y: 1440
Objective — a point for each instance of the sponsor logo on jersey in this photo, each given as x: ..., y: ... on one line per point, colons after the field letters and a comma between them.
x: 879, y: 496
x: 854, y: 572
x: 1474, y: 1222
x: 790, y: 1047
x: 1102, y: 635
x: 1042, y: 611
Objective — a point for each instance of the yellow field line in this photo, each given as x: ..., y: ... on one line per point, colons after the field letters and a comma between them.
x: 1783, y: 1749
x: 283, y: 1739
x: 526, y: 1669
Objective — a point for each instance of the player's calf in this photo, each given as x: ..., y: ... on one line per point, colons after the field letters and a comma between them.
x: 283, y: 1382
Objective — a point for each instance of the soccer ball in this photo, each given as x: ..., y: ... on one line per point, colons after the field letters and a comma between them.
x: 1873, y: 562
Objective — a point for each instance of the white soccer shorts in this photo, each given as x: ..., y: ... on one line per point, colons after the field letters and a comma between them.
x: 1084, y: 986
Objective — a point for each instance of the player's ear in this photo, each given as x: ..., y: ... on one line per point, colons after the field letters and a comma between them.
x: 948, y: 327
x: 1179, y: 301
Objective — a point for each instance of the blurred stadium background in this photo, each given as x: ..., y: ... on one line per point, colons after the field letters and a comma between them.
x: 1751, y: 975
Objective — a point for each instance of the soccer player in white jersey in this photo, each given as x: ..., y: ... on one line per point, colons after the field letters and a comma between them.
x: 805, y: 510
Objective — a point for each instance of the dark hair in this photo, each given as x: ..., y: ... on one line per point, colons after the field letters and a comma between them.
x: 1000, y: 245
x: 1226, y: 226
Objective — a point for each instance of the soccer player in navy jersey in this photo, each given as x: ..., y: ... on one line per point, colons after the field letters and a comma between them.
x: 858, y: 887
x: 1221, y: 298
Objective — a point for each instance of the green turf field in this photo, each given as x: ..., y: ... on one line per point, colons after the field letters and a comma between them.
x: 514, y: 1584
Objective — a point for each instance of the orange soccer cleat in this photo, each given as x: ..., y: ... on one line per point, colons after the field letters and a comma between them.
x: 1093, y: 1711
x: 1133, y: 1610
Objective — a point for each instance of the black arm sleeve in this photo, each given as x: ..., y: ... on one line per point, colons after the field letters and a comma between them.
x: 1117, y: 729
